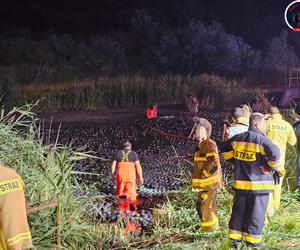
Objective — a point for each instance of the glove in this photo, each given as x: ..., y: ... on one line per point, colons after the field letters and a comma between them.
x: 213, y: 170
x: 276, y: 177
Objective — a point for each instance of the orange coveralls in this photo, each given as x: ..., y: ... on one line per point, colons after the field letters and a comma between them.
x: 127, y: 167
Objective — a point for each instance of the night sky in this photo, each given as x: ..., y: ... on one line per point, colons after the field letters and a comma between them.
x: 247, y: 18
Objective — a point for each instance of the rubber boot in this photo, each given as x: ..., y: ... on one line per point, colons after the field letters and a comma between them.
x: 198, y: 208
x: 236, y: 244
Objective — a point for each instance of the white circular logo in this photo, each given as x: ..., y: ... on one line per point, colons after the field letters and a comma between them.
x: 292, y: 16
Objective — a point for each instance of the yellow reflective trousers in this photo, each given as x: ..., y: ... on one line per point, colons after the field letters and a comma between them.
x: 281, y: 133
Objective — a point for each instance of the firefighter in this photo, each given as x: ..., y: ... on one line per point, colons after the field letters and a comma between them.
x: 255, y: 160
x: 280, y: 132
x: 206, y: 178
x: 241, y: 115
x: 14, y: 229
x: 195, y: 132
x: 128, y: 166
x: 192, y: 104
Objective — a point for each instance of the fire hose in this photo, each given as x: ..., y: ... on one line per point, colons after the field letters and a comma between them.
x: 180, y: 137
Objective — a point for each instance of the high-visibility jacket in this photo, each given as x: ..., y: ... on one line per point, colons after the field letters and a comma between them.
x: 151, y: 113
x: 280, y: 132
x: 241, y: 126
x: 148, y: 113
x: 207, y: 167
x: 154, y: 112
x: 14, y: 230
x: 248, y: 152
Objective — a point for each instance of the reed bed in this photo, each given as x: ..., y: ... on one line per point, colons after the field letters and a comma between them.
x: 46, y: 172
x: 135, y: 91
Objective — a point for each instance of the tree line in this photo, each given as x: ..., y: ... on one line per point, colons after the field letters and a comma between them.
x: 147, y: 47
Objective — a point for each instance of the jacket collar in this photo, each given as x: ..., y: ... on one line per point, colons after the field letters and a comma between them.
x: 276, y: 116
x: 243, y: 120
x: 256, y: 131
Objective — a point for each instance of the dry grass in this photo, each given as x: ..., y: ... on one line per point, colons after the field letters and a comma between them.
x: 132, y: 91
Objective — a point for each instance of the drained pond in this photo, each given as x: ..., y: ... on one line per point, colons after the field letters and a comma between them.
x: 161, y: 145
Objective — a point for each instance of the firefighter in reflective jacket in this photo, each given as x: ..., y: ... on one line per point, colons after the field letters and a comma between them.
x: 14, y: 230
x: 280, y: 132
x: 206, y: 178
x: 128, y: 165
x: 255, y: 159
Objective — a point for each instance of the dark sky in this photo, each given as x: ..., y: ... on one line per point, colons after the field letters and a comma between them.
x: 241, y: 17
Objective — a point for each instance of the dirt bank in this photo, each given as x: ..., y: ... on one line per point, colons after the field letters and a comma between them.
x: 107, y: 114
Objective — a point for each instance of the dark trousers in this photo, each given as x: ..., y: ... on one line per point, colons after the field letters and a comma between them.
x: 248, y: 218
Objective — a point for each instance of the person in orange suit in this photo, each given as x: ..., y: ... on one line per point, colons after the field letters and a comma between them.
x: 151, y: 112
x: 128, y: 167
x: 148, y: 113
x: 154, y: 112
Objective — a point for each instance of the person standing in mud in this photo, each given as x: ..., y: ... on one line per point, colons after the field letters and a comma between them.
x: 206, y: 178
x: 196, y: 121
x: 192, y: 105
x: 128, y: 166
x: 151, y: 112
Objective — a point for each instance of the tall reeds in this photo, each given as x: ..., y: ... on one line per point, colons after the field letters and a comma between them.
x: 46, y: 172
x: 134, y: 91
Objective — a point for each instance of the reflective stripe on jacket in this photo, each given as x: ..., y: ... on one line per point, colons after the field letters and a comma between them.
x: 248, y: 152
x: 207, y: 168
x: 14, y: 230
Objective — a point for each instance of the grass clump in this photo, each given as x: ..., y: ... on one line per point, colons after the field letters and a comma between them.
x: 46, y: 171
x: 282, y: 231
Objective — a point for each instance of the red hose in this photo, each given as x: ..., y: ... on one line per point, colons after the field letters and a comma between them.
x: 180, y: 137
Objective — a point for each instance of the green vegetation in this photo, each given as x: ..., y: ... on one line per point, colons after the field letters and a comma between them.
x: 281, y: 232
x: 124, y: 91
x: 46, y: 171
